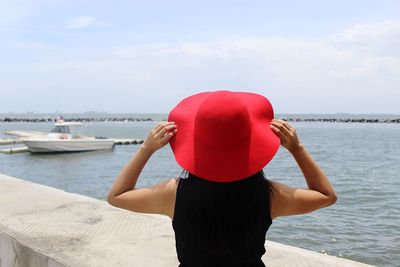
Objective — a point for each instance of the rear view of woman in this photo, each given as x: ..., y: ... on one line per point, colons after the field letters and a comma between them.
x: 222, y: 205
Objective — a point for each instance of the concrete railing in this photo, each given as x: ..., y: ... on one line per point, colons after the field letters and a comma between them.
x: 42, y: 226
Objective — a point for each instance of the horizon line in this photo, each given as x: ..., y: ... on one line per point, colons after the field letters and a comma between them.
x: 106, y: 112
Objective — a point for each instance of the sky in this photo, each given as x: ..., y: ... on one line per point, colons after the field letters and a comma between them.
x: 306, y: 56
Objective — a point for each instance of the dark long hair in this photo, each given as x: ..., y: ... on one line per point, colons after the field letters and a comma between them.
x: 219, y: 218
x: 186, y: 175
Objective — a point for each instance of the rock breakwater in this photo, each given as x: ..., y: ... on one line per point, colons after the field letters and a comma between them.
x: 77, y: 119
x: 135, y: 119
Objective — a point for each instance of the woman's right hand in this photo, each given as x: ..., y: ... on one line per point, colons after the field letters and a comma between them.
x: 287, y: 133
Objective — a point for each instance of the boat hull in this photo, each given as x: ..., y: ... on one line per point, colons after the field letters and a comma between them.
x: 49, y: 146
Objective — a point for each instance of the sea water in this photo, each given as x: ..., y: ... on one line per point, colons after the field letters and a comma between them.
x: 360, y: 159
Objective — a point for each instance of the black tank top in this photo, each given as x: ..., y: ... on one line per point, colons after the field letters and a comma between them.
x: 221, y: 224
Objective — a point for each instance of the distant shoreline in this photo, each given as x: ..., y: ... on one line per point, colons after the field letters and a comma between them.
x: 136, y: 119
x: 124, y: 119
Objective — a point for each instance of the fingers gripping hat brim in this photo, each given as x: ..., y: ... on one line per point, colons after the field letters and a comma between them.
x: 223, y: 136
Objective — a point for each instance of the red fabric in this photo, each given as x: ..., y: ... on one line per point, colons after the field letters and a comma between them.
x: 223, y: 136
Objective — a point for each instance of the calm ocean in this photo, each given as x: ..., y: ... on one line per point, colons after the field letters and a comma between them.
x: 361, y: 160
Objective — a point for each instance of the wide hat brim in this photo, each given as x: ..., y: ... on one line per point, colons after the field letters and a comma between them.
x: 236, y: 142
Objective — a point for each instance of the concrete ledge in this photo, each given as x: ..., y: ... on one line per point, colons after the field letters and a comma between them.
x: 42, y: 226
x: 13, y: 253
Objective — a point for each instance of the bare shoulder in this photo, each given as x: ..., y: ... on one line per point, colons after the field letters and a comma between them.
x: 287, y: 201
x: 169, y: 184
x: 167, y: 193
x: 171, y: 188
x: 281, y: 190
x: 159, y: 198
x: 279, y: 193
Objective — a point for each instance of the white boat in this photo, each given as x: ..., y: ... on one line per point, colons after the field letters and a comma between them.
x: 61, y: 140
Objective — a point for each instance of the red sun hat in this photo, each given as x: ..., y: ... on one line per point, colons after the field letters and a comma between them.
x: 223, y: 136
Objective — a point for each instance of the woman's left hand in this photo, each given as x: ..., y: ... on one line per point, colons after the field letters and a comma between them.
x: 159, y: 136
x: 287, y: 133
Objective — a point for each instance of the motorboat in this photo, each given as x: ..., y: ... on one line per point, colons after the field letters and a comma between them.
x: 60, y: 139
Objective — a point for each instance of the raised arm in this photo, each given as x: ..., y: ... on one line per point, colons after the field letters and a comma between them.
x: 123, y: 193
x: 291, y: 201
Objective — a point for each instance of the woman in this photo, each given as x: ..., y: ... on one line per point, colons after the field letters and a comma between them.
x: 223, y: 206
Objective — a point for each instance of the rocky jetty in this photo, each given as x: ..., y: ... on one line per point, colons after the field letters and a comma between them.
x: 78, y: 119
x: 345, y: 120
x: 133, y: 119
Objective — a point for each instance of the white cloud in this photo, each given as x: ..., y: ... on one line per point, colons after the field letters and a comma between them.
x: 361, y: 33
x: 382, y: 38
x: 80, y: 22
x: 14, y: 12
x: 332, y: 74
